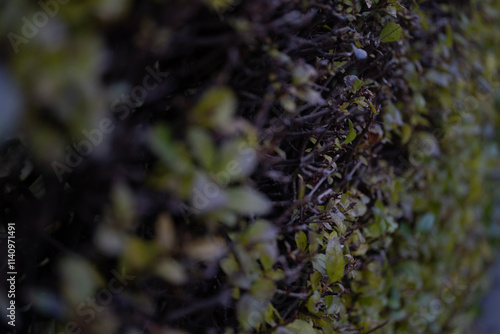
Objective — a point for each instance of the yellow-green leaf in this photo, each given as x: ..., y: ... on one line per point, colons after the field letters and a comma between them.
x: 215, y: 108
x: 334, y: 260
x: 351, y: 135
x: 405, y: 133
x: 262, y: 289
x: 245, y: 200
x: 391, y: 32
x: 202, y: 146
x: 299, y: 327
x: 171, y: 271
x: 301, y: 240
x: 165, y: 232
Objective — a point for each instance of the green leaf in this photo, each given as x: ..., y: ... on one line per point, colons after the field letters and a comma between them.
x: 338, y: 218
x: 357, y: 85
x: 215, y: 108
x: 335, y: 306
x: 334, y: 260
x: 206, y: 195
x: 351, y: 135
x: 314, y: 302
x: 206, y: 249
x: 229, y: 265
x: 79, y: 279
x: 247, y: 201
x: 301, y: 240
x: 202, y: 146
x: 405, y: 133
x: 353, y: 84
x: 237, y: 159
x: 171, y: 271
x: 391, y: 33
x: 262, y: 289
x: 271, y: 314
x: 300, y: 327
x: 260, y: 231
x: 391, y: 10
x: 372, y: 107
x: 318, y: 263
x: 173, y: 154
x: 123, y: 205
x: 139, y: 253
x: 316, y: 280
x: 165, y: 233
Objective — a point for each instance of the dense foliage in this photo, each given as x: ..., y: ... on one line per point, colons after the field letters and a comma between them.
x: 250, y: 166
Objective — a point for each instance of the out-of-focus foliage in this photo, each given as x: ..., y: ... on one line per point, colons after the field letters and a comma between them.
x: 250, y: 166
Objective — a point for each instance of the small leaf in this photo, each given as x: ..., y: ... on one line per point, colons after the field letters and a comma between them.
x: 260, y: 231
x: 359, y: 53
x: 335, y: 305
x: 123, y: 205
x: 79, y: 279
x: 165, y: 232
x: 229, y: 265
x: 372, y: 107
x: 299, y: 327
x: 338, y: 218
x: 351, y: 135
x: 391, y: 10
x: 316, y: 280
x: 206, y: 195
x: 262, y: 289
x: 357, y: 85
x: 301, y: 240
x: 391, y: 32
x: 314, y: 302
x: 361, y: 102
x: 206, y: 249
x: 174, y: 155
x: 353, y: 83
x: 202, y: 146
x: 237, y: 160
x: 139, y: 253
x: 247, y: 201
x: 405, y: 133
x: 334, y: 260
x: 215, y: 108
x: 398, y: 6
x: 271, y: 314
x: 171, y: 271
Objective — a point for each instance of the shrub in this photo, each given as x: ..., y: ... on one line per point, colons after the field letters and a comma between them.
x: 265, y: 166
